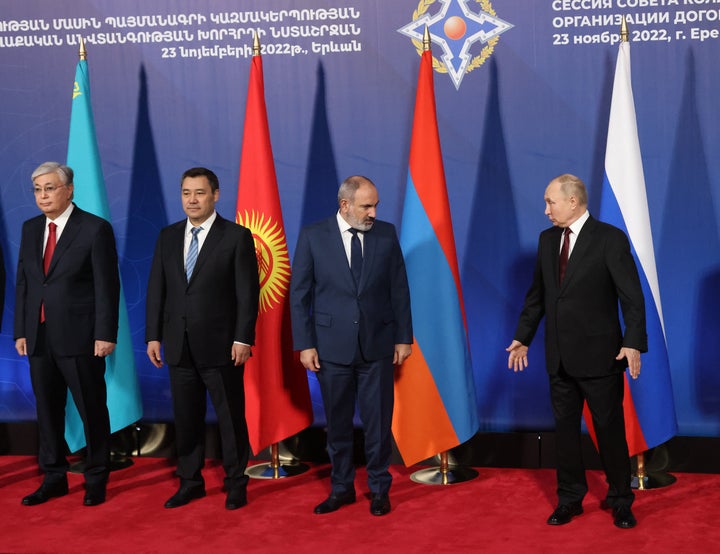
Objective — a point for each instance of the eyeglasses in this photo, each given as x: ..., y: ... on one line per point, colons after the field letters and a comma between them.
x: 47, y: 190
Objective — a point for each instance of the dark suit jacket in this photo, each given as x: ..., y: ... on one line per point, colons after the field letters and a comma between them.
x: 326, y: 306
x: 81, y: 290
x: 220, y: 303
x: 582, y: 326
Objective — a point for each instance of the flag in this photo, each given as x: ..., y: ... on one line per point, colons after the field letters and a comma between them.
x: 649, y: 406
x: 123, y: 392
x: 435, y: 406
x: 277, y: 397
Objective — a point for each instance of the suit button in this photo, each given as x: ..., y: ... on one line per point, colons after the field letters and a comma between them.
x: 356, y: 322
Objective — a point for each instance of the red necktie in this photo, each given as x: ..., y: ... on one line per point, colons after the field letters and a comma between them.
x: 564, y: 253
x: 47, y: 256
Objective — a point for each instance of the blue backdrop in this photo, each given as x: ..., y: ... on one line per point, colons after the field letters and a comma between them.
x: 169, y: 80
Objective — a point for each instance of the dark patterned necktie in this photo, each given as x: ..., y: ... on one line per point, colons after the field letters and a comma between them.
x: 356, y: 257
x: 564, y: 253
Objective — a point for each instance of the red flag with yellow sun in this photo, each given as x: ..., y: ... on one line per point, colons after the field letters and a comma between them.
x: 277, y: 398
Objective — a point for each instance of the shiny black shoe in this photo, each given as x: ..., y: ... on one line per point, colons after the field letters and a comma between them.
x: 564, y: 513
x: 46, y: 492
x: 380, y: 504
x: 335, y: 502
x: 94, y: 495
x: 624, y: 518
x: 184, y: 495
x: 236, y: 499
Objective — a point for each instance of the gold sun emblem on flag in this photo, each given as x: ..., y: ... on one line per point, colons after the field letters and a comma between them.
x: 272, y: 256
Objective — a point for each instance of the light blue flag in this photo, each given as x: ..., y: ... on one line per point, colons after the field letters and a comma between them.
x: 123, y: 392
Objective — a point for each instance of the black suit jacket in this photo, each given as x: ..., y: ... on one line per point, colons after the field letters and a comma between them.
x: 217, y: 307
x: 81, y: 290
x: 582, y: 324
x: 327, y: 308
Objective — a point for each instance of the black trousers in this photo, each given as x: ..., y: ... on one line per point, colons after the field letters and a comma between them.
x: 604, y: 396
x: 190, y: 386
x: 84, y: 376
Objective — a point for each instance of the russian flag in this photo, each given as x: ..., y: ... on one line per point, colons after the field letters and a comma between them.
x: 435, y: 406
x: 649, y: 406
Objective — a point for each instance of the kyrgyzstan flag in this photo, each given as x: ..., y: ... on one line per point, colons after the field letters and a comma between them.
x: 276, y: 387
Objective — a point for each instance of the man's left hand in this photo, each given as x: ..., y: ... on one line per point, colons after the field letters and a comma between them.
x: 104, y: 348
x: 240, y: 353
x: 402, y: 351
x: 633, y: 360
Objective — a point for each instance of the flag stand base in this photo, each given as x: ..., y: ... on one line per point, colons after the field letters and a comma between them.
x: 444, y: 474
x: 643, y: 479
x: 652, y: 481
x: 274, y: 469
x: 117, y: 461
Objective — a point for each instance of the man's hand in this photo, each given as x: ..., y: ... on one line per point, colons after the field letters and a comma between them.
x: 309, y: 359
x: 21, y: 346
x: 402, y: 351
x: 104, y: 348
x: 153, y: 352
x: 517, y: 359
x: 633, y: 360
x: 240, y: 353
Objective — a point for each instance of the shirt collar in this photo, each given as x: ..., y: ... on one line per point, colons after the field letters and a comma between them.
x: 205, y: 224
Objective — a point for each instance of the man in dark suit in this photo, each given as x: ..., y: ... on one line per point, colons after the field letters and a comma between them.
x: 66, y: 322
x: 202, y: 303
x: 350, y: 307
x: 583, y: 268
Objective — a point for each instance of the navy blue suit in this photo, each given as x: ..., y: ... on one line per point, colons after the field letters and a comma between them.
x: 355, y: 330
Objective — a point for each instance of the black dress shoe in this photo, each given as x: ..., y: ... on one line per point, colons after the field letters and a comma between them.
x: 46, y: 492
x: 335, y: 502
x: 185, y: 495
x: 94, y: 495
x: 236, y: 499
x: 380, y: 504
x: 564, y: 513
x: 624, y: 517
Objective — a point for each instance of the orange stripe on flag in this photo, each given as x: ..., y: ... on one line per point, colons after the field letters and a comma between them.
x: 420, y: 425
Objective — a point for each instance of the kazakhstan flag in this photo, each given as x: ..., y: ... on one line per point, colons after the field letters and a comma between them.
x: 123, y: 392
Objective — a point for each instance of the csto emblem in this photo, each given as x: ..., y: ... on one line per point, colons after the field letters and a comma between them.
x: 272, y: 256
x: 456, y: 27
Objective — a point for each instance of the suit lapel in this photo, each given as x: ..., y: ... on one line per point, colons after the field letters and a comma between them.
x: 337, y: 250
x: 215, y: 235
x: 580, y: 249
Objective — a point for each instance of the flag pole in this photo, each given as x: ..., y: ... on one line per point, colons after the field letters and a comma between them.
x: 445, y: 473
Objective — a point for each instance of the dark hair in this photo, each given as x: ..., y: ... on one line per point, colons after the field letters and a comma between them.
x: 202, y: 172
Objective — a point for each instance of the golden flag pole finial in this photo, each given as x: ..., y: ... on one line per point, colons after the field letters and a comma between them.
x: 426, y: 39
x: 82, y: 52
x: 256, y: 45
x: 624, y: 33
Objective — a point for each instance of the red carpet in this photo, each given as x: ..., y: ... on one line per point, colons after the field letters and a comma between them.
x: 503, y: 510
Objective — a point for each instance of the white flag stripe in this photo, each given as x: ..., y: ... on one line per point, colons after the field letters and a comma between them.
x: 623, y: 165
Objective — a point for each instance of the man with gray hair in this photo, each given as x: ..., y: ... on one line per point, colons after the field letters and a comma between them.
x: 66, y: 322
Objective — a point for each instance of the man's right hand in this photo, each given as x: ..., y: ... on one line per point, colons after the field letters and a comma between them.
x: 309, y: 359
x: 517, y: 359
x: 153, y: 352
x: 21, y: 346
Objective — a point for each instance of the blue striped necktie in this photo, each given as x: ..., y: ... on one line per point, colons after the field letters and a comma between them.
x: 192, y: 252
